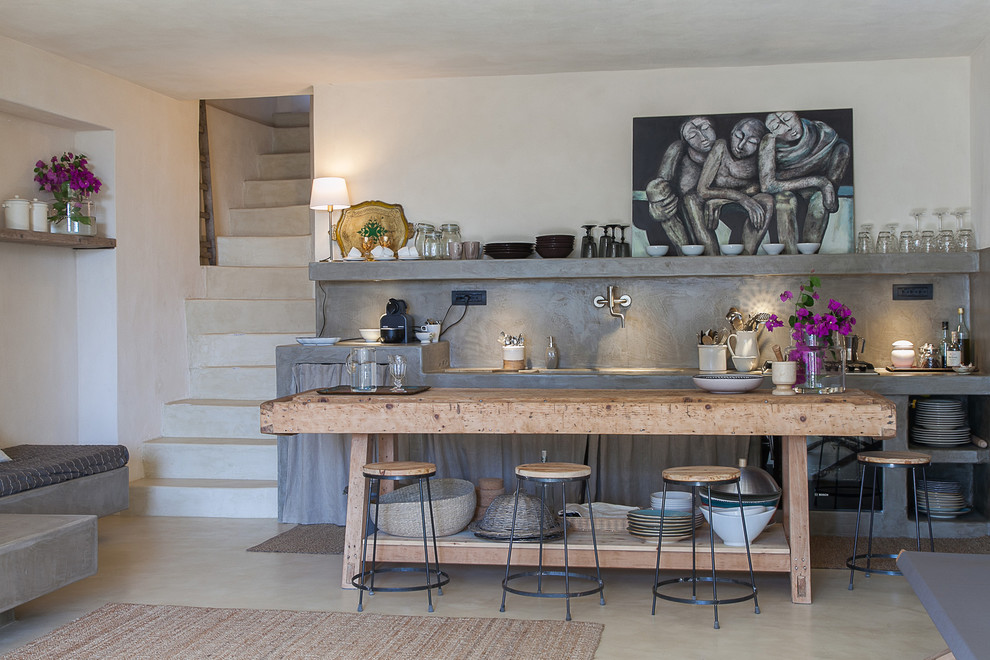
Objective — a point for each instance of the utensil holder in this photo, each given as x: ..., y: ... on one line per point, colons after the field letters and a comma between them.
x: 513, y: 358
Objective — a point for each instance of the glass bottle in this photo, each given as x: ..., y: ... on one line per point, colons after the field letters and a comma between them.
x: 964, y: 345
x: 944, y: 345
x: 419, y: 238
x: 449, y: 233
x: 953, y: 356
x: 552, y: 357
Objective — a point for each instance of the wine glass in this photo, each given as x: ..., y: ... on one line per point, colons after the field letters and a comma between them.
x: 397, y: 369
x: 917, y: 213
x: 964, y: 237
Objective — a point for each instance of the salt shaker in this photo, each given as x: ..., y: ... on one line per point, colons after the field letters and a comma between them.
x: 552, y: 357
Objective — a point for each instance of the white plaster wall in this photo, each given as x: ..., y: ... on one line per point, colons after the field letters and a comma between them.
x: 980, y: 132
x: 512, y: 157
x: 138, y: 290
x: 235, y: 143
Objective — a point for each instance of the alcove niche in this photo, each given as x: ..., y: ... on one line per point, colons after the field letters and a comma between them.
x: 58, y: 340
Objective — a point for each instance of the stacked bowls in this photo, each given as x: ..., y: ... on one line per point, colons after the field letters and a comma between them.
x: 554, y: 246
x: 508, y: 250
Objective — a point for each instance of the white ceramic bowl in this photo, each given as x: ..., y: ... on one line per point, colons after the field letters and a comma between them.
x: 727, y: 523
x: 773, y: 248
x: 808, y: 248
x: 692, y: 250
x: 676, y: 500
x: 371, y: 334
x: 424, y: 337
x: 731, y: 248
x: 657, y: 250
x: 747, y: 363
x: 728, y: 383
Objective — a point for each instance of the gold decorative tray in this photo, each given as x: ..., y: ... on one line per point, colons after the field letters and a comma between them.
x: 354, y: 218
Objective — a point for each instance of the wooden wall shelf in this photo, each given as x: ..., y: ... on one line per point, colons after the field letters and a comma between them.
x: 57, y: 240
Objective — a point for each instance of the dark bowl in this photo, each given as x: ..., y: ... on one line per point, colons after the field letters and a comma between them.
x: 393, y: 335
x: 553, y: 252
x: 555, y: 238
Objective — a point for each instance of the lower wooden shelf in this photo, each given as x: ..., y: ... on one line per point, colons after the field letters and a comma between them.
x: 770, y: 551
x: 57, y: 240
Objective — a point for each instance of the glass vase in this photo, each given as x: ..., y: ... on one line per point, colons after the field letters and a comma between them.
x: 810, y: 354
x: 73, y: 217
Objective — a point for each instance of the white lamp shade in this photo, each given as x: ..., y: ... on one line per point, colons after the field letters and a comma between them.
x: 329, y: 191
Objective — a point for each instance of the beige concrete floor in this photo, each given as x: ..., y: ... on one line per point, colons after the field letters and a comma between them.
x: 202, y: 562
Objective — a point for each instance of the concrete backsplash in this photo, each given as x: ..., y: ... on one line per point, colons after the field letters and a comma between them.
x: 661, y: 323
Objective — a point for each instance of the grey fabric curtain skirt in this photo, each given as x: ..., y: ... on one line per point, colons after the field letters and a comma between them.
x: 625, y: 469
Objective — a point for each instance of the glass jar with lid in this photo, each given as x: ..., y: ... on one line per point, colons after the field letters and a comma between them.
x: 449, y: 233
x: 419, y: 237
x: 431, y: 245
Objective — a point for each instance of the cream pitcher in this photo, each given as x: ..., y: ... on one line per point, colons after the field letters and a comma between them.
x: 744, y: 344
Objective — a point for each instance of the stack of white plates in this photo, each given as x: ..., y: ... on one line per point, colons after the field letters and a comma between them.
x: 945, y: 499
x: 645, y: 523
x: 939, y: 422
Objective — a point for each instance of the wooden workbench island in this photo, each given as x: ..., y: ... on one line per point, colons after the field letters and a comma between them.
x: 623, y: 412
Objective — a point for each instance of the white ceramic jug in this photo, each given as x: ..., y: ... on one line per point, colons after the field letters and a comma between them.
x: 745, y: 344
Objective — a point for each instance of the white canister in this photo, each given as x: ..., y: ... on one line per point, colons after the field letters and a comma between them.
x: 902, y: 354
x: 39, y: 216
x: 16, y: 213
x: 711, y: 357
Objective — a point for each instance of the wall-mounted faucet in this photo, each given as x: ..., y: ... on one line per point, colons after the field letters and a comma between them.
x: 612, y: 301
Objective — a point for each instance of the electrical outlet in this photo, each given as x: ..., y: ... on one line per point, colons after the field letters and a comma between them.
x: 913, y: 292
x: 477, y: 297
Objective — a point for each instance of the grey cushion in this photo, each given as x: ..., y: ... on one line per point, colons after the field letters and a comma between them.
x: 42, y: 465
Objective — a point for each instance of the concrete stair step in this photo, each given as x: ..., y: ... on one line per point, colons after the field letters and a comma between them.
x: 212, y: 418
x: 258, y: 283
x: 204, y: 498
x: 281, y: 192
x: 285, y: 166
x: 270, y: 221
x: 235, y: 382
x: 264, y: 250
x: 292, y: 139
x: 211, y: 458
x: 226, y: 349
x: 296, y: 317
x: 290, y: 119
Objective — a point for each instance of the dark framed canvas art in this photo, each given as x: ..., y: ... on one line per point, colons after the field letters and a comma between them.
x: 779, y: 176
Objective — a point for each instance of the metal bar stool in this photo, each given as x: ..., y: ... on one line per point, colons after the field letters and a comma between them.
x: 888, y: 459
x: 435, y: 578
x: 546, y: 474
x: 696, y: 477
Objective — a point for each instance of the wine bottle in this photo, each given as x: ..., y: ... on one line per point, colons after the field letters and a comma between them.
x: 953, y: 356
x: 944, y: 346
x: 964, y: 344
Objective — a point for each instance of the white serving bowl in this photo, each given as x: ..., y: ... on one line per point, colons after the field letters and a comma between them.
x: 692, y: 250
x: 745, y: 363
x: 657, y: 250
x: 731, y: 248
x: 727, y: 523
x: 727, y: 383
x: 808, y: 248
x: 371, y: 334
x: 424, y: 337
x: 773, y: 248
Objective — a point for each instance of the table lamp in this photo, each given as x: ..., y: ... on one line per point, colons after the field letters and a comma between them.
x: 330, y: 192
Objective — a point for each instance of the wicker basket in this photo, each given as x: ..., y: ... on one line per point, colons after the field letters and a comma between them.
x: 497, y: 520
x: 453, y: 508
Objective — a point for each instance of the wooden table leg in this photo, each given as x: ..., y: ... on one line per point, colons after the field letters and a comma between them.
x: 357, y: 502
x: 797, y: 523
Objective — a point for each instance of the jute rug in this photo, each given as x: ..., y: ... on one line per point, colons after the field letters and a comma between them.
x: 832, y: 551
x: 145, y: 632
x: 316, y: 539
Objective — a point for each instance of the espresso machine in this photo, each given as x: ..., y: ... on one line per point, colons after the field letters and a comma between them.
x: 396, y: 325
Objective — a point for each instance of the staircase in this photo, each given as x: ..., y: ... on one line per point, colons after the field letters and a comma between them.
x: 212, y: 460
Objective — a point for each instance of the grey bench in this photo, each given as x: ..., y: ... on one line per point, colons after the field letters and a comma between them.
x: 41, y: 553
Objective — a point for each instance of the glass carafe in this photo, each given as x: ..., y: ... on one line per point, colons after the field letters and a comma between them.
x: 449, y: 233
x: 363, y: 369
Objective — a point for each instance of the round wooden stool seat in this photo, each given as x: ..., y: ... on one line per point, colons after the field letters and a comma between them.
x: 894, y: 457
x: 399, y: 469
x: 701, y: 474
x: 553, y: 471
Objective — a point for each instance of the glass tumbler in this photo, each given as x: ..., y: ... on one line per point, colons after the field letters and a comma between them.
x: 965, y: 240
x: 905, y: 242
x: 885, y: 243
x: 864, y: 243
x: 927, y: 242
